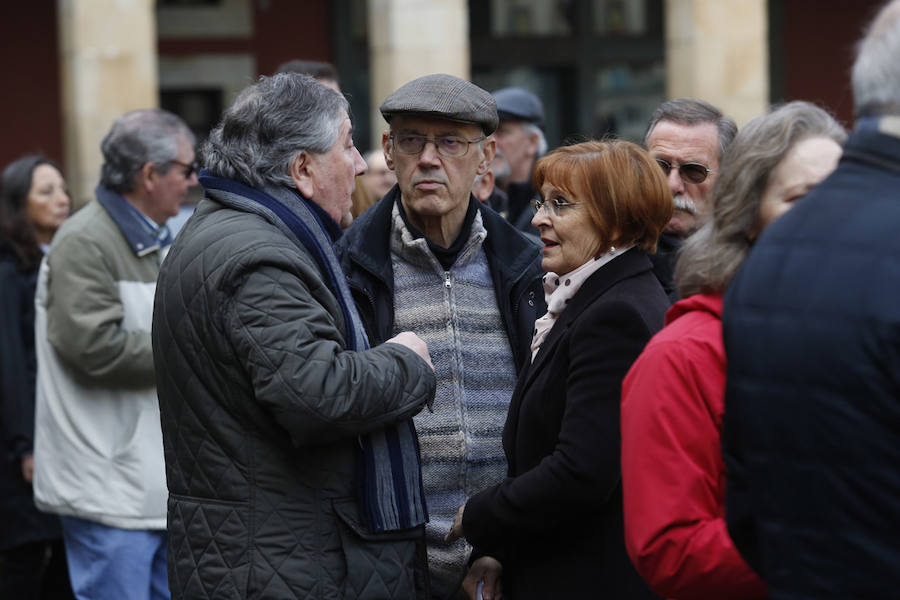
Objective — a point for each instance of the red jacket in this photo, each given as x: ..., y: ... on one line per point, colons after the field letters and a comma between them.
x: 673, y: 474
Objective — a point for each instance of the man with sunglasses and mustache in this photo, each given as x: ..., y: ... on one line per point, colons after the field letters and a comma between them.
x: 687, y: 137
x: 430, y: 258
x: 98, y: 450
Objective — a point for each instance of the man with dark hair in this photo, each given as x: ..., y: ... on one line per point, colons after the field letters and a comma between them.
x: 323, y: 72
x: 291, y: 455
x: 687, y: 137
x: 812, y: 335
x: 431, y: 258
x: 98, y: 450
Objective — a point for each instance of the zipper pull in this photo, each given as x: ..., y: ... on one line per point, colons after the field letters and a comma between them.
x: 447, y: 279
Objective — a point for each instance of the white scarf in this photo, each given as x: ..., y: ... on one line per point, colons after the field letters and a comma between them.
x: 559, y: 289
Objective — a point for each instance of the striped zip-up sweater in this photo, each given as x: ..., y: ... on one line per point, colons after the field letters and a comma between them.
x: 456, y: 313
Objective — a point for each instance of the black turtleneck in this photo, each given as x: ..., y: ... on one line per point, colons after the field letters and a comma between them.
x: 446, y: 256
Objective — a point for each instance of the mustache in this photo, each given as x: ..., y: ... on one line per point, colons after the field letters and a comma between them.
x: 684, y: 203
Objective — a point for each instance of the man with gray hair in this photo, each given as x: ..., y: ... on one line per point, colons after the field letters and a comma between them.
x: 687, y: 137
x: 520, y: 143
x: 812, y: 334
x: 291, y: 456
x: 98, y: 449
x: 431, y: 258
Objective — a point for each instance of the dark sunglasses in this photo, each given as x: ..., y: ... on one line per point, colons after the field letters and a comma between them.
x: 689, y: 172
x: 190, y: 168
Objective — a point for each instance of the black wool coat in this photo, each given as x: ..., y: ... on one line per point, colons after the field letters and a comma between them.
x: 22, y: 522
x: 556, y: 522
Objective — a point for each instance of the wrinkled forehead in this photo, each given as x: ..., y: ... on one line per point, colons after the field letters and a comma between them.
x: 432, y: 126
x: 681, y: 143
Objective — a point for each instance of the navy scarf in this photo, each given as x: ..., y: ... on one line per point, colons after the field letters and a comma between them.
x: 389, y: 471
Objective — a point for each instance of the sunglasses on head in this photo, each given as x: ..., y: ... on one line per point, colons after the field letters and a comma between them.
x: 689, y: 172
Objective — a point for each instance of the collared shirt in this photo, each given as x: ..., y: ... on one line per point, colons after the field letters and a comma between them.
x: 160, y: 233
x: 143, y: 235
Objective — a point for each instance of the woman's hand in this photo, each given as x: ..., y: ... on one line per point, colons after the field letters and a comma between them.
x: 485, y: 570
x: 28, y: 467
x: 456, y: 530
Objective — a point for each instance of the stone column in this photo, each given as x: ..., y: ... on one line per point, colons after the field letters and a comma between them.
x: 108, y: 65
x: 717, y: 50
x: 411, y: 38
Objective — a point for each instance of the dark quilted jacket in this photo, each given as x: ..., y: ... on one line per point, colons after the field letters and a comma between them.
x: 261, y: 408
x: 812, y: 407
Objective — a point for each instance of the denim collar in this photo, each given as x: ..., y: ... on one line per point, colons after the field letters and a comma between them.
x: 140, y: 234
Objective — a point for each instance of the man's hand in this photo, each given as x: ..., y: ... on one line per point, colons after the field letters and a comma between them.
x: 28, y: 467
x: 489, y: 571
x: 414, y: 343
x: 456, y: 530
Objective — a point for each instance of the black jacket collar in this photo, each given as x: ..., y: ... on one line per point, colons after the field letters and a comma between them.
x: 368, y: 242
x: 627, y: 265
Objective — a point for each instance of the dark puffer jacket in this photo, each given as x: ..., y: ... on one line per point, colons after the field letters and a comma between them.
x: 261, y: 407
x: 812, y: 406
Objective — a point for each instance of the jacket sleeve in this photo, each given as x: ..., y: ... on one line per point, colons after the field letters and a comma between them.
x: 673, y: 476
x: 85, y: 318
x: 301, y: 372
x: 583, y: 471
x: 16, y: 383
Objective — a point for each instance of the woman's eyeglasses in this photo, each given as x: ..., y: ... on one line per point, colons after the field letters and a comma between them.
x: 689, y: 172
x: 554, y: 207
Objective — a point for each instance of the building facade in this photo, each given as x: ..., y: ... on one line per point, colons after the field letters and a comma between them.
x: 600, y: 66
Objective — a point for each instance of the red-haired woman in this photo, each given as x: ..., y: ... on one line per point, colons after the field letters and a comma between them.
x: 555, y: 525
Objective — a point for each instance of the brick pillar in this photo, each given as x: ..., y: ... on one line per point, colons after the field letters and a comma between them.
x: 717, y: 50
x: 108, y: 67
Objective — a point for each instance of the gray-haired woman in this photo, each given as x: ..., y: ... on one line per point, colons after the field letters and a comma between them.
x: 673, y: 472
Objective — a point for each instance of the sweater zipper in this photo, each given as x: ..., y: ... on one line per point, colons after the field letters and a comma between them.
x: 447, y: 279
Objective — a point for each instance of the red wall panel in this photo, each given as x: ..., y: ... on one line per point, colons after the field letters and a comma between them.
x: 819, y: 38
x: 30, y: 109
x: 283, y: 30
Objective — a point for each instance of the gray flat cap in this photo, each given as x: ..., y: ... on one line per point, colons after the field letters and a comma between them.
x: 517, y: 104
x: 443, y: 97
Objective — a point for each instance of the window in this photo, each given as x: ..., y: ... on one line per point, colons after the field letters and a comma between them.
x: 596, y: 64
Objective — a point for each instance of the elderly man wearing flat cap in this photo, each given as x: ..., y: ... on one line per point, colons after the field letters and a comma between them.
x: 432, y: 259
x: 521, y: 143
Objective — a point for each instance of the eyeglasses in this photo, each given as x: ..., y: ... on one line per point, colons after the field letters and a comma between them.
x: 449, y: 146
x: 689, y: 172
x: 554, y: 206
x: 191, y: 168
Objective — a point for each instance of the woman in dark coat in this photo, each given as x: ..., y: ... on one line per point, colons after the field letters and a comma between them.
x: 33, y: 204
x: 554, y: 526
